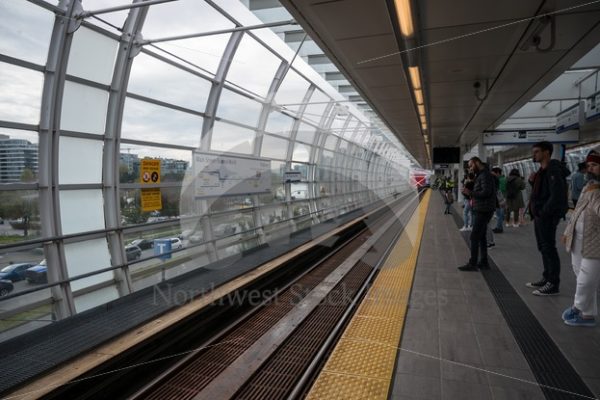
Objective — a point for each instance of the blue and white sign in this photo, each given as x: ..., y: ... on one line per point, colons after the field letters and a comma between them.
x: 497, y: 138
x: 592, y: 108
x: 162, y: 248
x: 568, y: 119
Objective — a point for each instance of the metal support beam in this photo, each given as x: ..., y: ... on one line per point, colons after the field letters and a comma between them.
x: 217, y: 32
x: 112, y: 144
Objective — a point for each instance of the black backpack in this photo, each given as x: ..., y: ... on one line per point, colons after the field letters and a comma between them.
x: 511, y: 189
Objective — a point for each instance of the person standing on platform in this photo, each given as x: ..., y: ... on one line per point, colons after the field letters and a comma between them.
x: 577, y: 183
x: 514, y: 198
x: 484, y: 205
x: 582, y: 240
x: 448, y: 200
x: 547, y: 205
x: 501, y: 180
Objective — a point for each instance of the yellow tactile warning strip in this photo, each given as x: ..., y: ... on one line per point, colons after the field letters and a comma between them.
x: 361, y: 365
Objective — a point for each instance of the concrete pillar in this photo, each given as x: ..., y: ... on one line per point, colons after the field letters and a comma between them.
x: 557, y: 152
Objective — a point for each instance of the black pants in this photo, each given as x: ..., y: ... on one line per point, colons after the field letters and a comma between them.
x: 545, y: 235
x: 478, y: 236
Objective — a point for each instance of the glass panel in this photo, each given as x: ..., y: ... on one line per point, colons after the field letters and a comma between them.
x: 19, y: 216
x: 306, y: 133
x: 152, y: 123
x: 183, y: 17
x: 83, y: 109
x: 25, y: 30
x: 301, y: 152
x: 300, y: 208
x: 291, y: 92
x: 274, y: 147
x: 79, y: 160
x: 92, y: 56
x: 302, y: 168
x: 232, y: 138
x: 230, y: 224
x: 87, y: 256
x: 156, y: 79
x: 330, y: 142
x: 299, y: 191
x: 173, y: 165
x: 238, y: 108
x: 20, y: 94
x: 76, y: 218
x: 116, y: 18
x: 97, y: 297
x: 272, y: 215
x: 203, y: 54
x: 316, y: 107
x: 279, y: 123
x: 253, y: 67
x: 18, y: 156
x: 230, y: 203
x: 131, y: 211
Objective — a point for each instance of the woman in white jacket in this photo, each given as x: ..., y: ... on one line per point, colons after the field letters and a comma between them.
x: 582, y: 240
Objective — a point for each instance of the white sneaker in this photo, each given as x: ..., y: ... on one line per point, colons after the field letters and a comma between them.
x: 469, y: 228
x: 464, y: 229
x: 516, y: 225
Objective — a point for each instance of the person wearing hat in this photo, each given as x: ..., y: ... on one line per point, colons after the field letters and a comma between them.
x: 582, y: 240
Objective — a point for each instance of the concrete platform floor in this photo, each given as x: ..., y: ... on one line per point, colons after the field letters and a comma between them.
x: 456, y: 343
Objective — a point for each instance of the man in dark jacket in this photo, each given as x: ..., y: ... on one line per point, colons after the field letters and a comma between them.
x: 484, y: 205
x: 547, y: 205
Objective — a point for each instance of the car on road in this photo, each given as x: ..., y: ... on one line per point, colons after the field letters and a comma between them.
x: 15, y: 272
x: 37, y: 273
x: 6, y: 287
x: 133, y: 252
x: 176, y: 243
x: 143, y: 244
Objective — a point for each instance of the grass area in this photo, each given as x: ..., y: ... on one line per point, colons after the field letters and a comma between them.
x: 6, y: 239
x: 24, y: 317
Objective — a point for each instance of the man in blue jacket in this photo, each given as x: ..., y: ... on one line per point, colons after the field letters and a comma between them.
x: 547, y: 205
x: 484, y: 205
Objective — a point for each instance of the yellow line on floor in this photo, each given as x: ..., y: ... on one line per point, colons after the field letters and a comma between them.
x: 361, y: 365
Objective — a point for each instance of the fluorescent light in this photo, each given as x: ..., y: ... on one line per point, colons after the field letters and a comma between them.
x: 421, y: 109
x: 415, y: 77
x: 423, y: 125
x: 404, y: 12
x: 423, y: 119
x: 419, y: 96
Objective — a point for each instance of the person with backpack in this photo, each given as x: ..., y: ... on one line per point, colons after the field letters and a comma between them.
x: 547, y: 206
x: 514, y: 199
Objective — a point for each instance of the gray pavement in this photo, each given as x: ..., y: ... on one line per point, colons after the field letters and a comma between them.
x: 456, y: 343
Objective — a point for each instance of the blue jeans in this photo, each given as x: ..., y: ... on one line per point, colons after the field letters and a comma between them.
x: 468, y: 214
x: 499, y: 218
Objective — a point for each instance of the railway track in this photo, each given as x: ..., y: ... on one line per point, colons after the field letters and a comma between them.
x: 269, y: 350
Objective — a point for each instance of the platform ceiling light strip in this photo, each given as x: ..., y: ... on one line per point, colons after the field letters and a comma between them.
x: 421, y: 109
x: 404, y: 12
x: 419, y: 96
x: 415, y: 77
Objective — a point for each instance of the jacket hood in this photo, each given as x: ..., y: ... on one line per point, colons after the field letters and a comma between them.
x: 561, y: 166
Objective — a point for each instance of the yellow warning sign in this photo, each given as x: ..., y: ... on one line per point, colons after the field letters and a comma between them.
x: 150, y: 171
x: 151, y: 200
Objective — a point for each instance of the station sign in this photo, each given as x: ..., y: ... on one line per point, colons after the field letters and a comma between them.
x: 592, y: 109
x: 568, y: 119
x: 162, y: 248
x: 225, y: 174
x: 150, y: 174
x: 441, y: 166
x: 292, y: 176
x: 530, y: 136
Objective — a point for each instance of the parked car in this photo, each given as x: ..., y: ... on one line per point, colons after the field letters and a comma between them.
x: 133, y: 252
x: 6, y: 287
x: 37, y: 273
x: 15, y: 272
x: 176, y: 243
x: 143, y: 244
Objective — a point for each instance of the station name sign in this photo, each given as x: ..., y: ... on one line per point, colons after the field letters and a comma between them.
x: 592, y: 109
x: 508, y: 137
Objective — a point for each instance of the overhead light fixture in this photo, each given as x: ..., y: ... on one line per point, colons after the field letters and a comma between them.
x: 423, y: 119
x: 404, y: 12
x: 419, y: 96
x: 424, y: 125
x: 421, y: 109
x: 415, y: 77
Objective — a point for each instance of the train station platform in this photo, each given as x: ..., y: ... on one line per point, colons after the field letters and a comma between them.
x: 483, y: 335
